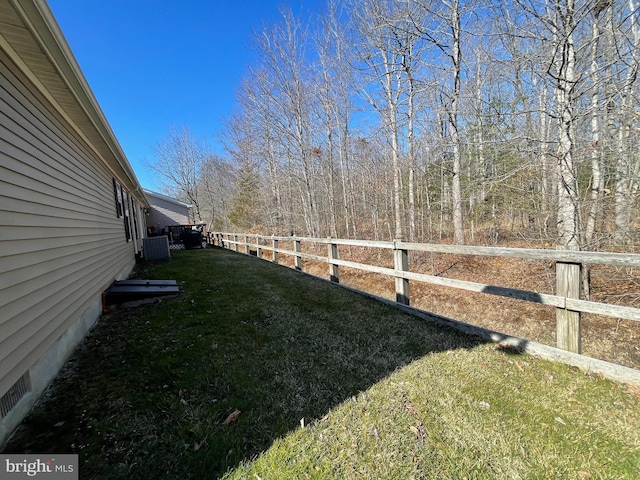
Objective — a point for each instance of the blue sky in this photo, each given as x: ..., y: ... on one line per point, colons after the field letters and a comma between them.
x: 158, y: 64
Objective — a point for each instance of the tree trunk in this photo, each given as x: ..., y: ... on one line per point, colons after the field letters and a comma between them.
x: 564, y: 88
x: 458, y: 226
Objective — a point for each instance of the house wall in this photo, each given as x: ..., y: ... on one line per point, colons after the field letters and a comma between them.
x: 165, y: 213
x: 63, y: 239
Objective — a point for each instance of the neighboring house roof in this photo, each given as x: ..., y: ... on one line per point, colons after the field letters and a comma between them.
x: 32, y: 38
x: 149, y: 193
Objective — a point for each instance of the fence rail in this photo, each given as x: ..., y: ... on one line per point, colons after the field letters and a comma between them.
x: 568, y: 266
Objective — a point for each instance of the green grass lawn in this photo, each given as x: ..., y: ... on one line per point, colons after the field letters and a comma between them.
x: 258, y: 371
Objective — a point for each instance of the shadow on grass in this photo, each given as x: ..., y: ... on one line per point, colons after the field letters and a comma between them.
x: 191, y: 387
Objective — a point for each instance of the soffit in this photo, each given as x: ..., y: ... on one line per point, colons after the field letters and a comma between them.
x: 31, y: 36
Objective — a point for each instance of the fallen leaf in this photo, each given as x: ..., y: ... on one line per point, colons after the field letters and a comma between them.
x: 519, y: 367
x: 634, y: 390
x: 559, y: 420
x: 584, y: 474
x: 198, y: 445
x: 233, y: 416
x: 418, y: 431
x: 484, y: 405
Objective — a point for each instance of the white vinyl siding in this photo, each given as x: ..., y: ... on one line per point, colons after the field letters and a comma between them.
x: 61, y: 241
x: 166, y: 212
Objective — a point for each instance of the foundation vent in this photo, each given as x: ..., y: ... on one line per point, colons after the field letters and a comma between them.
x: 15, y: 393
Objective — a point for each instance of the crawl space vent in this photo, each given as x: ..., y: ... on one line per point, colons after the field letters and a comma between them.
x: 15, y: 393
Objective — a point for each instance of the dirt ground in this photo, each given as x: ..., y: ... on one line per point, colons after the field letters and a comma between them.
x: 606, y: 338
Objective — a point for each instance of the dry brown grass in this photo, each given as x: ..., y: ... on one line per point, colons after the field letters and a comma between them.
x: 606, y: 338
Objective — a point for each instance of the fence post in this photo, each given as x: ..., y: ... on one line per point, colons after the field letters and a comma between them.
x: 259, y: 247
x: 235, y: 238
x: 247, y: 250
x: 401, y: 264
x: 568, y: 322
x: 297, y: 248
x: 274, y: 253
x: 333, y: 255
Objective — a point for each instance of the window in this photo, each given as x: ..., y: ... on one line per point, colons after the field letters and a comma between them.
x: 134, y: 214
x: 116, y: 198
x: 127, y: 224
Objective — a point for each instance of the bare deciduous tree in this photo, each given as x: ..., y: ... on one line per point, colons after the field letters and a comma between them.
x: 179, y: 160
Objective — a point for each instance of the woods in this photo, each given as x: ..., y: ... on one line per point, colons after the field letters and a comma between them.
x: 457, y: 120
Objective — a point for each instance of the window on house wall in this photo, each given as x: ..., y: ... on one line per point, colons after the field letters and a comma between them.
x: 116, y: 197
x: 134, y: 214
x: 127, y: 224
x: 121, y: 200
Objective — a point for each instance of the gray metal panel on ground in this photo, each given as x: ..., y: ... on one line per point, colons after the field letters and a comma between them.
x: 146, y: 282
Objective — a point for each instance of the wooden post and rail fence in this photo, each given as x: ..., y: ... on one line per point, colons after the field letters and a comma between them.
x: 568, y: 264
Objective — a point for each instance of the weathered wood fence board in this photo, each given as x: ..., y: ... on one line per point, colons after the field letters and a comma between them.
x: 567, y: 301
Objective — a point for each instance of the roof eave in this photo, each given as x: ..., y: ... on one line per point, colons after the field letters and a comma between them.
x: 41, y: 23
